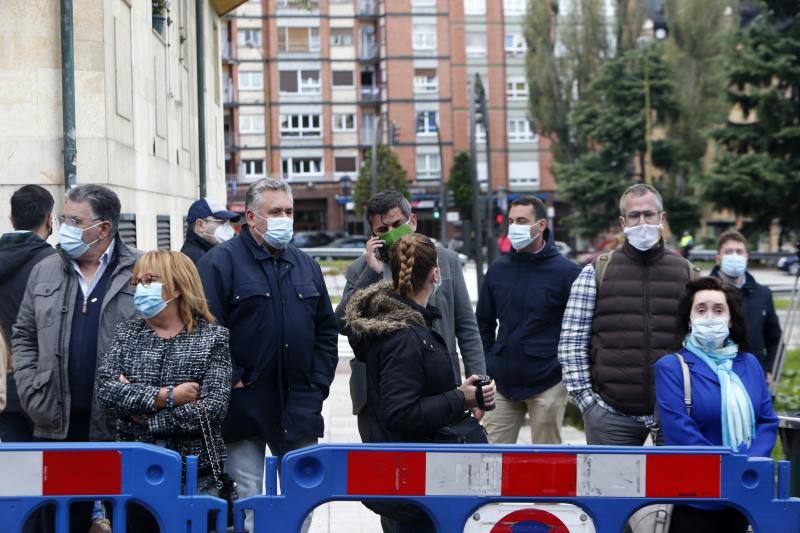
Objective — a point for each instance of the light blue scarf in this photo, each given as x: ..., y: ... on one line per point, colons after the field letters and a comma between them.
x: 738, y: 417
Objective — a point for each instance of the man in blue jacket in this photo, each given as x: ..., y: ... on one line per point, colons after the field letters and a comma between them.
x: 763, y: 326
x: 526, y: 291
x: 283, y: 335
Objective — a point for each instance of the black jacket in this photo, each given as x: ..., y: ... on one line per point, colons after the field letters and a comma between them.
x: 19, y: 253
x: 410, y: 382
x: 195, y: 246
x: 763, y: 326
x: 283, y: 337
x: 527, y: 294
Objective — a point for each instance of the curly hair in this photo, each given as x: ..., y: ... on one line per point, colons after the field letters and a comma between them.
x: 412, y: 258
x: 738, y: 332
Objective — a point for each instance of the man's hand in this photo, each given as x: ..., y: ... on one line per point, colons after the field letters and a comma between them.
x: 373, y: 259
x: 477, y: 413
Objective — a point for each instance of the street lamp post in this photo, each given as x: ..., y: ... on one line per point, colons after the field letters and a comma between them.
x: 267, y: 124
x: 345, y: 183
x: 650, y: 32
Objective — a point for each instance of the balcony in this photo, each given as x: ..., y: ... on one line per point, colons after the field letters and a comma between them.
x: 368, y: 9
x: 370, y: 95
x: 228, y: 94
x: 227, y: 52
x: 369, y: 53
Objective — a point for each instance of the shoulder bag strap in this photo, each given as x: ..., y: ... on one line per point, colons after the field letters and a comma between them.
x: 687, y: 384
x: 600, y: 269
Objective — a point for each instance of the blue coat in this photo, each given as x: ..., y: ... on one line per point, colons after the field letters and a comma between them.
x: 527, y: 294
x: 704, y: 427
x: 283, y: 337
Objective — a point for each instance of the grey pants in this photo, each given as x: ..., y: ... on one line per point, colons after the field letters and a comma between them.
x: 611, y: 429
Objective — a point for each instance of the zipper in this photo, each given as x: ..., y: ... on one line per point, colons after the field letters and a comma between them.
x: 646, y: 314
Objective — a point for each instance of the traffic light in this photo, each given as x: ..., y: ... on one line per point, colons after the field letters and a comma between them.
x: 436, y: 214
x: 394, y: 134
x: 479, y: 102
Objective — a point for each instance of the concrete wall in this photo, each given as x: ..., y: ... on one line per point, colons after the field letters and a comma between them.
x: 136, y: 106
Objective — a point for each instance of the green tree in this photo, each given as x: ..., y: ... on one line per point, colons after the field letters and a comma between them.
x: 391, y: 175
x: 460, y: 182
x: 611, y: 121
x: 565, y: 51
x: 757, y: 168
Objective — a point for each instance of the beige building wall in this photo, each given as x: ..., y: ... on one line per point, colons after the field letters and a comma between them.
x: 136, y: 106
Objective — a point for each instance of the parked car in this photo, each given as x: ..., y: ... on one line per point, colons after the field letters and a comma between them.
x: 789, y: 264
x: 563, y: 248
x: 351, y: 241
x: 311, y: 239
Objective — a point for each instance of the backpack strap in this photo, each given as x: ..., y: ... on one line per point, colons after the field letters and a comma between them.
x: 600, y: 268
x: 687, y: 384
x: 694, y: 272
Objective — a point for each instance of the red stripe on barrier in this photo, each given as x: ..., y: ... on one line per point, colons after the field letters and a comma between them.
x: 389, y: 473
x: 684, y: 476
x: 539, y: 474
x: 75, y: 473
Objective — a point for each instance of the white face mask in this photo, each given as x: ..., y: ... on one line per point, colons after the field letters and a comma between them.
x: 644, y: 236
x: 224, y: 233
x: 710, y: 333
x: 520, y: 235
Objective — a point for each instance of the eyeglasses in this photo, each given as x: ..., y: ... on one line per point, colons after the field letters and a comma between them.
x: 74, y: 221
x: 633, y: 218
x: 145, y: 280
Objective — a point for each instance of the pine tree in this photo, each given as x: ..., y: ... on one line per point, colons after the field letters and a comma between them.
x: 757, y: 169
x: 460, y: 182
x: 391, y: 175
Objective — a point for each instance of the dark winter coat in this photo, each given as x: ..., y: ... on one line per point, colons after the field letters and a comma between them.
x: 19, y: 253
x: 283, y: 337
x: 410, y: 382
x: 763, y: 326
x: 527, y: 294
x: 195, y: 246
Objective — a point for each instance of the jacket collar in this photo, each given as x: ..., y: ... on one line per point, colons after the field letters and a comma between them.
x: 260, y: 253
x: 646, y: 257
x: 199, y: 241
x: 429, y: 313
x: 701, y: 368
x: 125, y: 255
x: 548, y: 250
x: 750, y: 282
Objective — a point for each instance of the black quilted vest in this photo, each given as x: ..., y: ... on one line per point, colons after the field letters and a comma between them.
x: 634, y: 324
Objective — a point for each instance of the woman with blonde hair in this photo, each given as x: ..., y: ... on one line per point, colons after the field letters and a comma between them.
x: 167, y: 376
x: 410, y: 379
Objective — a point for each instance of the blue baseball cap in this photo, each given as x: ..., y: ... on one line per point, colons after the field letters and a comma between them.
x: 206, y: 207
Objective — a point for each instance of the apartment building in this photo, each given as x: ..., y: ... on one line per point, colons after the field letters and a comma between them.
x: 310, y: 84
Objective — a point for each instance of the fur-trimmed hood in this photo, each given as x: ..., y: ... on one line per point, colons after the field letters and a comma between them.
x: 374, y: 310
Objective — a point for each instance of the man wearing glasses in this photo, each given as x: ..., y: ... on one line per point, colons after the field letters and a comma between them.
x: 619, y: 320
x: 208, y: 224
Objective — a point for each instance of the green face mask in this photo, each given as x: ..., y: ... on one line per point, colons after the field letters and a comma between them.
x: 392, y: 236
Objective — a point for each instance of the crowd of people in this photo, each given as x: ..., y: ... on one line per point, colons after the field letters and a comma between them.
x: 230, y: 348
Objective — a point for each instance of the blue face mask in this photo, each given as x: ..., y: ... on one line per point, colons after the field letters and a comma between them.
x: 279, y: 231
x: 520, y: 236
x: 733, y: 265
x: 148, y: 300
x: 710, y: 334
x: 71, y: 240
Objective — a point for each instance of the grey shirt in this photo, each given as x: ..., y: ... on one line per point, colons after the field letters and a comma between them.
x: 458, y: 323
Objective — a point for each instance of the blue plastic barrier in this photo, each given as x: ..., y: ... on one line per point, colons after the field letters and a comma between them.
x: 451, y: 482
x: 32, y: 475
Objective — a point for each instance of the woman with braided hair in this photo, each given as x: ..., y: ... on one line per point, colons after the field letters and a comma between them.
x: 409, y: 375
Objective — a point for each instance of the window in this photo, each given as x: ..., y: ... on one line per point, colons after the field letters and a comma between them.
x: 474, y: 7
x: 515, y: 44
x: 426, y: 122
x: 251, y: 123
x: 423, y: 3
x: 514, y: 8
x: 476, y: 44
x: 425, y: 81
x: 251, y: 80
x: 253, y: 169
x: 301, y: 167
x: 298, y: 39
x: 341, y: 37
x: 301, y: 126
x: 299, y: 4
x: 480, y: 133
x: 344, y: 164
x: 425, y: 38
x: 344, y: 122
x: 249, y: 36
x: 519, y: 131
x: 516, y: 88
x: 299, y: 81
x: 523, y: 175
x: 342, y: 78
x: 428, y: 167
